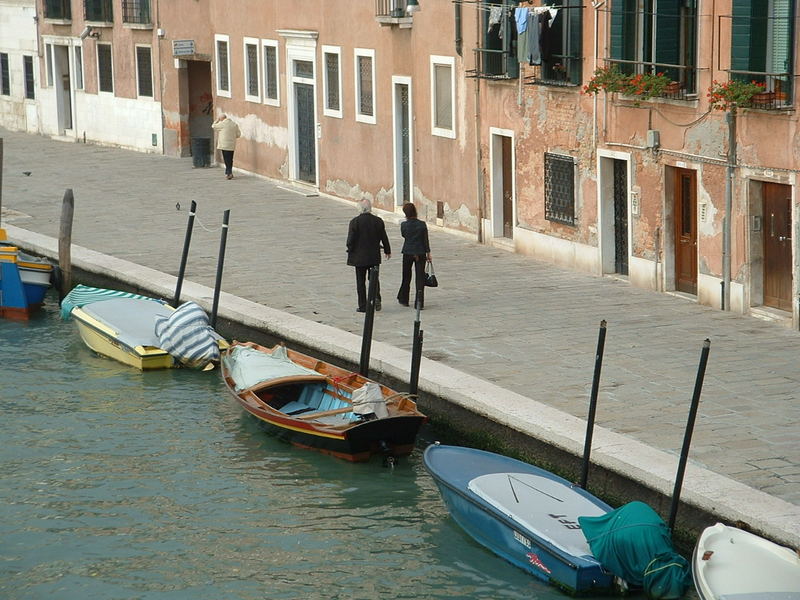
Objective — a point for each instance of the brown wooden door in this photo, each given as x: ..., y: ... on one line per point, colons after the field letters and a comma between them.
x: 777, y: 246
x: 508, y: 189
x: 685, y: 231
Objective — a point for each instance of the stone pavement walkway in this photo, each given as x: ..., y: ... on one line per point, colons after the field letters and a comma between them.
x: 525, y: 325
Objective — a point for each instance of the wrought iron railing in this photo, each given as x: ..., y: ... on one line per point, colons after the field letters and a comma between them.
x: 136, y: 11
x: 777, y: 94
x: 684, y: 77
x: 99, y: 10
x: 559, y: 70
x: 58, y: 9
x: 494, y: 64
x: 391, y: 8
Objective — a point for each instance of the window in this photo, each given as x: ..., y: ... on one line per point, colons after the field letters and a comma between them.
x: 144, y: 71
x: 48, y: 63
x: 223, y: 66
x: 252, y: 86
x: 762, y: 42
x: 136, y: 11
x: 496, y: 58
x: 443, y: 96
x: 656, y: 36
x: 332, y: 82
x: 27, y: 65
x: 58, y: 9
x: 99, y: 10
x: 365, y: 85
x: 561, y: 50
x: 270, y: 61
x: 78, y: 67
x: 559, y: 188
x: 5, y: 78
x: 105, y: 71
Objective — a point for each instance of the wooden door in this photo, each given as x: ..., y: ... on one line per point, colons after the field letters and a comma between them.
x: 508, y: 189
x: 777, y: 232
x: 685, y: 231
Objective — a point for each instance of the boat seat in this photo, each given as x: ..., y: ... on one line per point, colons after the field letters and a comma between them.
x: 295, y: 408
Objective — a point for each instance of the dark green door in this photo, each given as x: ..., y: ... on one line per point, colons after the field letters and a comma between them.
x: 306, y: 152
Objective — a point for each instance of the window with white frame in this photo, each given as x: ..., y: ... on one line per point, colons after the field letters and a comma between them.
x: 78, y: 54
x: 48, y: 63
x: 5, y: 75
x: 30, y: 80
x: 144, y: 71
x: 365, y: 85
x: 332, y: 80
x: 269, y: 54
x: 443, y: 96
x: 105, y: 68
x: 223, y: 64
x: 252, y: 85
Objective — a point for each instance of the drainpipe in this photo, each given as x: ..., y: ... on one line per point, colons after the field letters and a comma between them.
x: 596, y: 6
x: 730, y: 117
x: 478, y: 151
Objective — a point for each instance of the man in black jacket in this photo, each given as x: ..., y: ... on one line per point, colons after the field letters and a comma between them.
x: 364, y: 239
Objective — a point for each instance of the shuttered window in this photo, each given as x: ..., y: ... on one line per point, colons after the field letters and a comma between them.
x: 105, y: 70
x: 144, y: 71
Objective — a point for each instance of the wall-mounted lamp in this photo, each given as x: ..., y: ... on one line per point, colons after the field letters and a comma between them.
x: 412, y: 6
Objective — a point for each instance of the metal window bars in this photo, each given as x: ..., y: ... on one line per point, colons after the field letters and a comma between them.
x: 100, y: 11
x: 391, y: 8
x: 136, y: 11
x: 58, y: 9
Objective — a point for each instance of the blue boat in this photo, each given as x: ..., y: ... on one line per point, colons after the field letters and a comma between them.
x: 24, y: 281
x: 524, y: 514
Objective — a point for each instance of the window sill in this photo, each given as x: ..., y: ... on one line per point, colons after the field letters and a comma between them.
x: 56, y: 21
x: 137, y: 25
x: 399, y: 22
x: 99, y: 23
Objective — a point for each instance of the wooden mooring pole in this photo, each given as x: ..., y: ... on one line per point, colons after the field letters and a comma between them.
x: 185, y: 255
x: 687, y: 438
x: 369, y: 319
x: 220, y: 262
x: 416, y: 351
x: 1, y: 182
x: 65, y: 244
x: 598, y: 365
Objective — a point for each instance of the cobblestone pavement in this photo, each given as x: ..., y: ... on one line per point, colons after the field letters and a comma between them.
x: 525, y: 325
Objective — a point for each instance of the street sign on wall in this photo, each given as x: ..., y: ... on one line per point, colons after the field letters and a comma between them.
x: 182, y: 47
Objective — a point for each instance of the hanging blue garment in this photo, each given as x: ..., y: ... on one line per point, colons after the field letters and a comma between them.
x: 521, y: 16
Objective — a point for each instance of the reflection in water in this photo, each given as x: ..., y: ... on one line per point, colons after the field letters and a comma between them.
x: 118, y: 484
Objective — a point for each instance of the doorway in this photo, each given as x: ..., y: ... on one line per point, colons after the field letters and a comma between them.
x: 200, y: 109
x: 620, y: 216
x: 502, y: 163
x: 63, y: 87
x: 401, y: 102
x: 306, y: 151
x: 303, y: 134
x: 685, y: 216
x: 777, y: 245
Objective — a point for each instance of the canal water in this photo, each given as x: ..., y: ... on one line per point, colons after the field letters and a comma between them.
x: 117, y: 484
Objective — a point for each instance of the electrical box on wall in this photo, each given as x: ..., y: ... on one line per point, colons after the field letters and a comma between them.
x: 653, y: 138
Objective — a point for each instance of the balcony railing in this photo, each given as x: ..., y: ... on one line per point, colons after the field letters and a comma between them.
x: 558, y: 71
x: 390, y: 8
x: 777, y: 94
x: 136, y: 12
x: 494, y: 64
x: 58, y: 9
x: 99, y: 10
x: 684, y: 77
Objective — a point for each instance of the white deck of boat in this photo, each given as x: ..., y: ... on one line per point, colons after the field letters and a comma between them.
x: 540, y: 505
x: 133, y: 319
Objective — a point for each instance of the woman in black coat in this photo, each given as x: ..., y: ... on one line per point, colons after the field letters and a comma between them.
x: 416, y: 251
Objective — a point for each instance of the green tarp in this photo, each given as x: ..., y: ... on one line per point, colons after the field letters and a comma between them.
x: 634, y: 543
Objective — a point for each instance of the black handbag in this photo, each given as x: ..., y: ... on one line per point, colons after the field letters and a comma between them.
x: 430, y: 278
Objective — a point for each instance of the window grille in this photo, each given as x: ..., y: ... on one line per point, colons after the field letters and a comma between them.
x: 365, y: 105
x: 30, y: 89
x: 99, y: 10
x: 391, y: 8
x: 5, y: 79
x: 252, y: 69
x: 136, y: 11
x: 104, y: 68
x: 58, y: 9
x: 222, y: 66
x: 561, y: 49
x: 559, y: 188
x: 144, y: 69
x: 270, y: 72
x: 332, y: 78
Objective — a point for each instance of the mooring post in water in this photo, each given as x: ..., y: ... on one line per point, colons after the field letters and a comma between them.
x: 687, y: 438
x: 220, y: 262
x: 369, y: 318
x: 1, y: 182
x: 65, y: 243
x: 185, y: 255
x: 598, y: 365
x: 416, y: 352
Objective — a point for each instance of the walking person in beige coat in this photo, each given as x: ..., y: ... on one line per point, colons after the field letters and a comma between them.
x: 227, y: 133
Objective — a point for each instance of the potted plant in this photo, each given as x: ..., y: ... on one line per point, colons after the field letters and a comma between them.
x: 641, y: 86
x: 734, y: 93
x: 608, y: 79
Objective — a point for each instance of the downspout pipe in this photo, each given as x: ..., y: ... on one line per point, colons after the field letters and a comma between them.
x: 478, y: 150
x: 730, y: 117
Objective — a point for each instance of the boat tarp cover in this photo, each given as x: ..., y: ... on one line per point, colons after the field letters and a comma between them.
x: 248, y: 366
x: 187, y: 335
x: 81, y: 295
x: 368, y: 399
x: 634, y: 543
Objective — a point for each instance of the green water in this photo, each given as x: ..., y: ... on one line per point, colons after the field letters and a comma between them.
x: 117, y: 484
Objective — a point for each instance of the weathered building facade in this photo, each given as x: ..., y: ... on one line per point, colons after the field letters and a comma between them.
x: 19, y: 75
x: 579, y: 133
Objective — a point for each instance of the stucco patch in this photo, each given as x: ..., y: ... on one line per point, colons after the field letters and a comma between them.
x: 253, y: 128
x: 344, y: 189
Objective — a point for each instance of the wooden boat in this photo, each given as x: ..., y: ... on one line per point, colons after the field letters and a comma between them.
x: 729, y: 563
x: 524, y: 514
x: 125, y: 327
x: 24, y: 281
x: 314, y: 404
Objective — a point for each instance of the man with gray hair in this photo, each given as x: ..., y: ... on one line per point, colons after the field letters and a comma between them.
x: 365, y: 236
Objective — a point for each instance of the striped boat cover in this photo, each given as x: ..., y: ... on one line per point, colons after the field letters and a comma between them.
x: 187, y: 336
x: 82, y: 295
